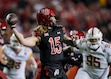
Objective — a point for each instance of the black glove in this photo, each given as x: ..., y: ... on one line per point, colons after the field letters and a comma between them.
x: 77, y: 59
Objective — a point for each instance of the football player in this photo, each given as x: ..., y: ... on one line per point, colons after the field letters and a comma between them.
x: 72, y: 60
x: 96, y: 56
x: 48, y: 37
x: 3, y: 28
x: 15, y: 56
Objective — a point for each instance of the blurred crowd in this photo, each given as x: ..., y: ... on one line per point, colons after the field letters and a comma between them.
x: 73, y: 14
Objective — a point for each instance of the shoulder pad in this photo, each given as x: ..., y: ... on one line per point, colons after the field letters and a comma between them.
x: 39, y: 30
x: 107, y: 45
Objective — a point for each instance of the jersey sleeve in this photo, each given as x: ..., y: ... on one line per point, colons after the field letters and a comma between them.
x: 5, y: 49
x: 80, y: 45
x: 29, y: 53
x: 108, y: 50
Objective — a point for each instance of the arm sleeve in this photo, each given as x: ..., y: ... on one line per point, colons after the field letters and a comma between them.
x: 108, y: 50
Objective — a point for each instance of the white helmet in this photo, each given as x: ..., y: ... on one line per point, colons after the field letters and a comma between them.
x: 14, y: 42
x: 94, y: 38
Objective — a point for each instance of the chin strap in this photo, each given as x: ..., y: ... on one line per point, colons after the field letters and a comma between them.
x: 93, y: 49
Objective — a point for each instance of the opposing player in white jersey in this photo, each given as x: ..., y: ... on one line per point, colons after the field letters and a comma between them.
x: 16, y: 57
x: 96, y: 56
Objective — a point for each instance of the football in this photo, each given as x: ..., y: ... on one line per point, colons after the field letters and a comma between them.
x: 11, y: 19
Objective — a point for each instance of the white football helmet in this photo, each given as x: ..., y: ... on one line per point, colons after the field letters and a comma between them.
x: 94, y: 38
x: 14, y: 42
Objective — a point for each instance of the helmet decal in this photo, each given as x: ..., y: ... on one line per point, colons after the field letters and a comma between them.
x: 92, y: 31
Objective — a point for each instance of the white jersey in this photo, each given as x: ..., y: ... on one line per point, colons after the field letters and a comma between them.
x: 95, y: 63
x: 17, y: 62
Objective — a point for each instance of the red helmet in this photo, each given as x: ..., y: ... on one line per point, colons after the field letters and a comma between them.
x: 77, y: 33
x: 3, y: 25
x: 43, y: 16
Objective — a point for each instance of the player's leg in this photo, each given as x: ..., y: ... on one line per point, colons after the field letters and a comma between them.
x: 38, y: 73
x: 2, y: 75
x: 109, y: 73
x: 81, y: 74
x: 44, y: 73
x: 71, y: 73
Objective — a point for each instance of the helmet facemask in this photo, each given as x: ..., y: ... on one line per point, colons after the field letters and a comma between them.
x: 3, y: 28
x: 53, y: 21
x: 94, y: 38
x: 14, y: 43
x: 3, y: 32
x: 94, y: 43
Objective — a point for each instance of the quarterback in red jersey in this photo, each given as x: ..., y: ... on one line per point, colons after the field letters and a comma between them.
x: 48, y: 37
